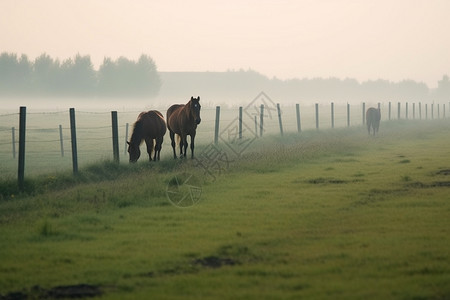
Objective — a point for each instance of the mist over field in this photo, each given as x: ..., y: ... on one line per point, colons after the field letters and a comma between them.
x: 288, y: 195
x: 124, y: 84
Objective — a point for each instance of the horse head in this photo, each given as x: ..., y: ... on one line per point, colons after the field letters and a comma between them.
x: 134, y: 152
x: 195, y: 109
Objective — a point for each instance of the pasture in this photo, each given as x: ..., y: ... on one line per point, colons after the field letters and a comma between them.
x: 93, y: 130
x: 329, y: 214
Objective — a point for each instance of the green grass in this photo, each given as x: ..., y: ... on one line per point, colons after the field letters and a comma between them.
x: 331, y: 214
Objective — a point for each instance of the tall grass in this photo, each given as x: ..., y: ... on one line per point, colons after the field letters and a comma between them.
x: 269, y: 153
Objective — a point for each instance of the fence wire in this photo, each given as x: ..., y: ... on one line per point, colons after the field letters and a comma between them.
x: 48, y: 138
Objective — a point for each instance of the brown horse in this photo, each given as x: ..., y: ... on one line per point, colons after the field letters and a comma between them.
x: 373, y: 117
x: 149, y: 126
x: 182, y: 119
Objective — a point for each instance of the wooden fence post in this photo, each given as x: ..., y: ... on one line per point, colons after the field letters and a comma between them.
x: 299, y: 124
x: 364, y: 113
x: 426, y: 111
x: 439, y: 115
x: 332, y: 114
x: 420, y: 110
x: 398, y: 111
x: 443, y: 110
x: 279, y: 118
x: 432, y: 111
x: 414, y: 110
x: 240, y: 122
x: 348, y: 115
x: 61, y: 140
x: 22, y: 129
x: 216, y: 131
x: 115, y: 136
x: 406, y: 111
x: 390, y: 110
x: 317, y: 115
x: 73, y: 135
x: 126, y: 139
x: 261, y: 120
x: 13, y: 132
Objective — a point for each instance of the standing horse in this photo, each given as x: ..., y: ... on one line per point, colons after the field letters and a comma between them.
x: 149, y: 126
x: 373, y: 117
x: 182, y: 119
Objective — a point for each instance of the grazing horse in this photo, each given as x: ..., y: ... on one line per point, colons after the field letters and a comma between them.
x: 149, y: 126
x: 373, y: 116
x: 182, y: 119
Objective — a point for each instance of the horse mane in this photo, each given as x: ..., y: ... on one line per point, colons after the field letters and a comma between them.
x: 136, y: 136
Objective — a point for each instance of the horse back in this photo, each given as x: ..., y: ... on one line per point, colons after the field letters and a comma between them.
x: 154, y: 124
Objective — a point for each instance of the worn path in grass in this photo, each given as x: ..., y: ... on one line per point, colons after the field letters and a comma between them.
x: 328, y: 215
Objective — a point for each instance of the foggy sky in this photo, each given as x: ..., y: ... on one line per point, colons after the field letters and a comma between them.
x: 388, y: 39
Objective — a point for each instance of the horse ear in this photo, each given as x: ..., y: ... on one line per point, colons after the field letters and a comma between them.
x: 192, y: 98
x: 198, y: 98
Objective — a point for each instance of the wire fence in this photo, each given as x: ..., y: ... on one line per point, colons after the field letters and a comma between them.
x: 48, y: 135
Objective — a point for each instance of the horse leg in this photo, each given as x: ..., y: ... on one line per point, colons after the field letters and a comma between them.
x: 158, y: 147
x: 192, y: 145
x: 155, y: 150
x: 149, y: 143
x: 181, y: 146
x: 185, y: 144
x: 172, y: 138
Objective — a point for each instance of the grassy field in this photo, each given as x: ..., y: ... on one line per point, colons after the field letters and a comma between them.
x: 330, y: 214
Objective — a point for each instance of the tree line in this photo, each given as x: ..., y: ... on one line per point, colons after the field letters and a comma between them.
x: 240, y: 86
x: 46, y: 76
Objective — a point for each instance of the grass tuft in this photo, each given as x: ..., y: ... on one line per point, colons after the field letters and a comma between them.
x: 45, y: 229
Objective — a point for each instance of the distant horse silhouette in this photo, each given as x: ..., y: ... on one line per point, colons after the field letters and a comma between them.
x: 373, y: 117
x: 182, y: 119
x: 149, y: 126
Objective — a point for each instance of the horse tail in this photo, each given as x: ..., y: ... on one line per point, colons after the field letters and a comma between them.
x: 162, y: 125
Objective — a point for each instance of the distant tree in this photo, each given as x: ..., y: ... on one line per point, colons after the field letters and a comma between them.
x: 46, y: 75
x: 410, y: 90
x: 443, y: 90
x: 8, y: 67
x: 127, y: 77
x: 25, y: 72
x: 78, y: 76
x: 15, y: 74
x: 107, y: 77
x: 148, y: 80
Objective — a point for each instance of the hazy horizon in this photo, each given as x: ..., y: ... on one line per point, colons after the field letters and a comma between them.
x: 364, y: 40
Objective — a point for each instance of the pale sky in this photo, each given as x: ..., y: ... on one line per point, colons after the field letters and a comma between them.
x: 366, y: 39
